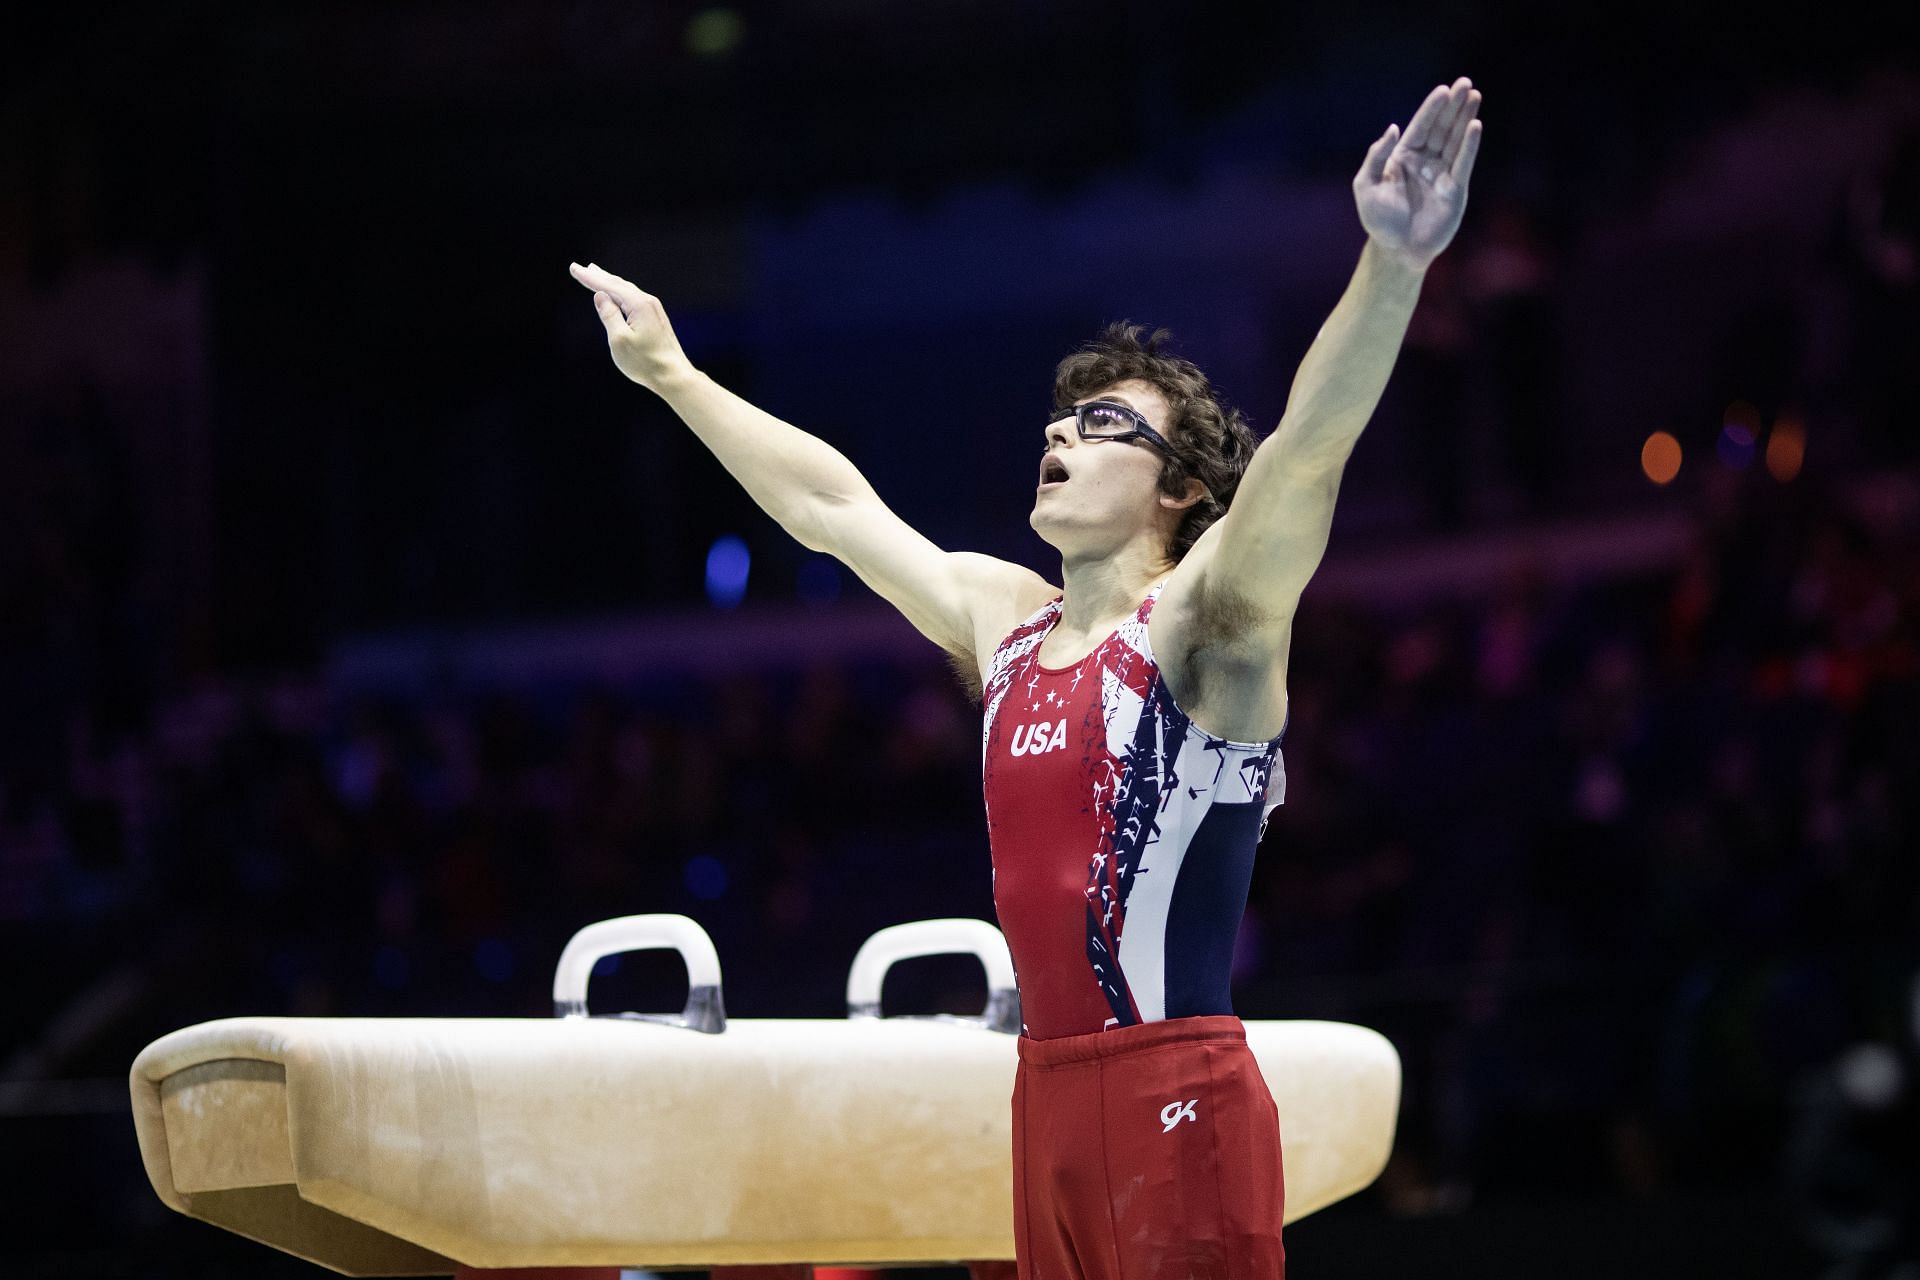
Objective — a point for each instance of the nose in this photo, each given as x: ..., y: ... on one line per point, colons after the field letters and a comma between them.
x: 1060, y: 432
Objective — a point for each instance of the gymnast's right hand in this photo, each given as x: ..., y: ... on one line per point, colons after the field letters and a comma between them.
x: 638, y: 333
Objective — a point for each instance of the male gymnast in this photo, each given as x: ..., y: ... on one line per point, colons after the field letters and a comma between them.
x: 1133, y: 718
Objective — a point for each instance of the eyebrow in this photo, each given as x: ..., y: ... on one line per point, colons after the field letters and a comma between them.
x: 1114, y: 396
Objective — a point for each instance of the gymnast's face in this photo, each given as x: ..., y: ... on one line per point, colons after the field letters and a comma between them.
x: 1096, y: 496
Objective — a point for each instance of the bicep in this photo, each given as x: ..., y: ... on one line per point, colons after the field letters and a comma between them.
x: 960, y: 600
x: 1268, y: 545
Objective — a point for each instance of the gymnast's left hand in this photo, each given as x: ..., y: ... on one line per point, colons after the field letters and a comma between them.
x: 1412, y: 189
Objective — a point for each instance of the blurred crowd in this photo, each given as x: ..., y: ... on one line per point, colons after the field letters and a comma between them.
x: 1618, y: 865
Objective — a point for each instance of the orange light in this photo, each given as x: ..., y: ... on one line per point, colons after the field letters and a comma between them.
x: 1786, y: 448
x: 1660, y: 457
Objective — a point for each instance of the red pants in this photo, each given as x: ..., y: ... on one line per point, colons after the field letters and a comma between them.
x: 1149, y: 1152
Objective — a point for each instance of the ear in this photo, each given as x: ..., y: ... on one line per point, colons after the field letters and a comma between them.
x: 1195, y: 492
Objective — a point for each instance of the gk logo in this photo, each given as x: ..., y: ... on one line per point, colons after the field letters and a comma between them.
x: 1174, y: 1112
x: 1032, y: 739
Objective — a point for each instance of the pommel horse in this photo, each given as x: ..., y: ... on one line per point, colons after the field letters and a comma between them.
x: 437, y: 1146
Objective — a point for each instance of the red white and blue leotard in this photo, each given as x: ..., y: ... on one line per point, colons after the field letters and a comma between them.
x: 1122, y: 833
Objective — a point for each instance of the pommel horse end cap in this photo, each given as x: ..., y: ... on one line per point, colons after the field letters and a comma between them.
x: 413, y: 1146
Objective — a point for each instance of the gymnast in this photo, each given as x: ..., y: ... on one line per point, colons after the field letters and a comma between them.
x: 1132, y: 717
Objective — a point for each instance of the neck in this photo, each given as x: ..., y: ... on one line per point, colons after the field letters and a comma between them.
x: 1097, y: 591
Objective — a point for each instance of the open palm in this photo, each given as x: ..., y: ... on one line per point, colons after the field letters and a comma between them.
x: 1412, y: 189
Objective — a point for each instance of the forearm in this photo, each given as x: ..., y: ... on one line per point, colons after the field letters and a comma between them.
x: 1345, y: 371
x: 793, y: 476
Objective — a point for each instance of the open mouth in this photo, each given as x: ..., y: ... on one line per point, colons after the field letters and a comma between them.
x: 1052, y: 472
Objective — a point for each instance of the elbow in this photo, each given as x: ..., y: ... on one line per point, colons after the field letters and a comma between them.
x: 817, y: 518
x: 807, y: 529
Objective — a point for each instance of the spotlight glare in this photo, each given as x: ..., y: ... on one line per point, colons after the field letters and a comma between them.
x: 1735, y: 445
x: 1786, y: 448
x: 1660, y: 457
x: 728, y: 562
x: 714, y: 33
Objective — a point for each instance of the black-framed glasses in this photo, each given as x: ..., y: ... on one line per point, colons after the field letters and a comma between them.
x: 1111, y: 420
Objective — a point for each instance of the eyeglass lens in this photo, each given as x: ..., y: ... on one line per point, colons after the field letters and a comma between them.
x: 1105, y: 420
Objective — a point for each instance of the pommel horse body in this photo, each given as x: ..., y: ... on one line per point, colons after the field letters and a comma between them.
x: 433, y: 1146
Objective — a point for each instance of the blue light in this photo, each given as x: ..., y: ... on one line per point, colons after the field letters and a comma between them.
x: 605, y: 966
x: 1735, y: 445
x: 727, y: 563
x: 706, y: 878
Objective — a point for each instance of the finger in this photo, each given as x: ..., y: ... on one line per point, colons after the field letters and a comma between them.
x: 598, y: 277
x: 1442, y: 126
x: 609, y: 314
x: 1457, y: 135
x: 1469, y: 148
x: 1447, y: 119
x: 591, y: 277
x: 1374, y: 167
x: 1423, y: 120
x: 625, y: 292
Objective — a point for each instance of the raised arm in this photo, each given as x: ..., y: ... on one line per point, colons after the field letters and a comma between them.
x: 1411, y: 192
x: 961, y: 601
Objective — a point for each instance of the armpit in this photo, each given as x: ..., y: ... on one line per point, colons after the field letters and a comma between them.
x: 1225, y: 620
x: 1227, y: 631
x: 967, y: 671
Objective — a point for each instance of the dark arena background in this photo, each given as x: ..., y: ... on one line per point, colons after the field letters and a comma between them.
x: 363, y: 633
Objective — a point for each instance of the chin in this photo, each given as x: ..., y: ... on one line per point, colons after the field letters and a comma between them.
x: 1044, y: 527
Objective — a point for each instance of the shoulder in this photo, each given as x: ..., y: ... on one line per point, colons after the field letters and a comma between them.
x: 1000, y: 596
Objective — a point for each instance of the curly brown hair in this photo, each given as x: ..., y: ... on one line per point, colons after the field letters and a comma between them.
x: 1211, y: 441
